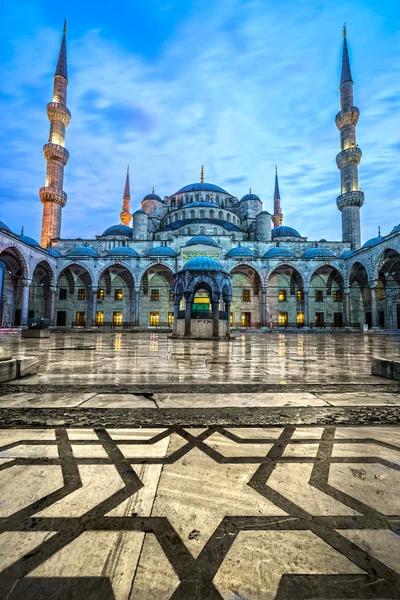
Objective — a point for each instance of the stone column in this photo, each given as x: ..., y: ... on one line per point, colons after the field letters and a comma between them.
x: 228, y: 319
x: 374, y: 307
x: 215, y: 317
x: 176, y: 311
x: 347, y: 308
x: 137, y: 302
x: 389, y: 316
x: 306, y: 311
x: 53, y: 291
x: 188, y: 314
x: 25, y: 302
x: 94, y: 306
x: 264, y: 307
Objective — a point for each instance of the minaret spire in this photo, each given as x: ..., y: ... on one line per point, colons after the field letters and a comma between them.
x: 125, y: 214
x: 277, y: 217
x: 202, y: 174
x: 351, y: 198
x: 52, y: 194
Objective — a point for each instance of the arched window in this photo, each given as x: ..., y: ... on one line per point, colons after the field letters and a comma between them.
x: 233, y: 237
x: 183, y: 214
x: 191, y: 198
x: 208, y: 197
x: 192, y: 214
x: 202, y: 230
x: 202, y: 214
x: 217, y: 199
x: 228, y: 217
x: 175, y: 217
x: 220, y: 215
x: 197, y: 197
x: 212, y: 213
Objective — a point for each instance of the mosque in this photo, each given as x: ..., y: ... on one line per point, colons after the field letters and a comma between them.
x: 201, y: 261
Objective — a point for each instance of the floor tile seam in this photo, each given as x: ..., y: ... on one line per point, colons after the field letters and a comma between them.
x: 83, y: 401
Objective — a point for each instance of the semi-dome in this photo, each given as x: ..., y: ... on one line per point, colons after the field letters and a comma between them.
x: 264, y: 212
x: 139, y: 212
x: 284, y: 231
x: 4, y: 227
x: 83, y: 252
x: 201, y: 205
x: 182, y: 222
x: 152, y: 196
x: 239, y: 252
x: 162, y: 251
x: 53, y: 252
x: 119, y: 230
x: 395, y: 228
x: 123, y: 252
x: 279, y: 252
x: 250, y: 196
x: 202, y: 239
x: 373, y: 242
x: 202, y: 187
x: 347, y: 254
x: 318, y: 253
x: 202, y: 263
x: 28, y: 240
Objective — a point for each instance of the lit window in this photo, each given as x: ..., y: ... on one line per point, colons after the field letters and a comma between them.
x: 246, y: 295
x: 154, y: 318
x: 117, y: 318
x: 99, y: 318
x: 82, y: 294
x: 171, y: 295
x: 170, y: 318
x: 155, y: 295
x: 300, y: 295
x: 63, y: 294
x: 282, y: 295
x: 231, y: 319
x: 246, y: 319
x: 300, y: 318
x: 282, y: 319
x: 319, y: 296
x: 118, y: 294
x: 100, y: 294
x: 80, y: 318
x: 337, y: 296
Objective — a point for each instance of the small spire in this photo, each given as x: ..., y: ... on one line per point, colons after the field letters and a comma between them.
x: 127, y: 191
x: 276, y: 191
x: 22, y: 230
x: 346, y: 70
x: 250, y: 191
x: 379, y: 232
x: 61, y: 68
x: 152, y: 191
x: 202, y: 174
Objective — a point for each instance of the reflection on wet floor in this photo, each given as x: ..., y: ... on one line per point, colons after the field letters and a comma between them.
x: 279, y: 358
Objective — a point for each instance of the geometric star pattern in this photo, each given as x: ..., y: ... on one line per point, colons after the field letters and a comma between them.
x: 294, y: 512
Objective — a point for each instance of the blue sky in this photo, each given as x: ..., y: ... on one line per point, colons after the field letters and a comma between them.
x: 166, y: 86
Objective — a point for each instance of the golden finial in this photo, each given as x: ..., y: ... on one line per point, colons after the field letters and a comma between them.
x: 22, y: 230
x: 152, y: 191
x: 276, y: 170
x: 250, y: 191
x: 127, y: 170
x: 202, y: 174
x: 65, y: 26
x: 344, y: 30
x: 379, y: 232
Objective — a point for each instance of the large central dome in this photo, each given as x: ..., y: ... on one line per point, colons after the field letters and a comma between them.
x: 201, y: 186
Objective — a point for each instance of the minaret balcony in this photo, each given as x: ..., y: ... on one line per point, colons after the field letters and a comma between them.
x: 58, y: 112
x: 347, y: 117
x: 53, y: 194
x: 350, y: 199
x: 348, y: 156
x: 56, y: 152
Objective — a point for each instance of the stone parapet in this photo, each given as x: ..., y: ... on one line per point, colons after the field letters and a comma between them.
x: 55, y: 152
x: 53, y: 194
x: 58, y: 112
x: 350, y: 199
x: 347, y: 156
x: 347, y: 117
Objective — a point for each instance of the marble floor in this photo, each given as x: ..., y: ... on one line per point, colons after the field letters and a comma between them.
x: 245, y: 513
x: 277, y: 358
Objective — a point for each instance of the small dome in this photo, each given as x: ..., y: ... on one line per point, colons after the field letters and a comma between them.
x: 322, y: 240
x: 240, y: 251
x: 30, y: 241
x: 279, y: 252
x: 395, y: 228
x: 4, y: 227
x: 284, y: 231
x: 139, y: 212
x: 123, y: 251
x: 318, y: 253
x: 201, y: 205
x: 202, y: 187
x: 202, y: 239
x: 119, y: 229
x: 264, y: 212
x: 53, y: 252
x: 83, y: 252
x: 202, y: 263
x: 347, y: 254
x: 373, y: 242
x: 250, y: 197
x: 152, y: 196
x: 162, y: 251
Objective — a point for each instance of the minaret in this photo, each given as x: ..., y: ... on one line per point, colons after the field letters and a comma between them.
x: 125, y: 215
x: 277, y: 217
x: 52, y: 195
x: 348, y: 159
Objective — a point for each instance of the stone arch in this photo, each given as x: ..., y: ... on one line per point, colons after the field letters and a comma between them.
x: 360, y: 294
x: 155, y: 294
x: 16, y: 283
x: 246, y: 295
x: 39, y: 305
x: 74, y: 289
x: 387, y: 277
x: 285, y: 296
